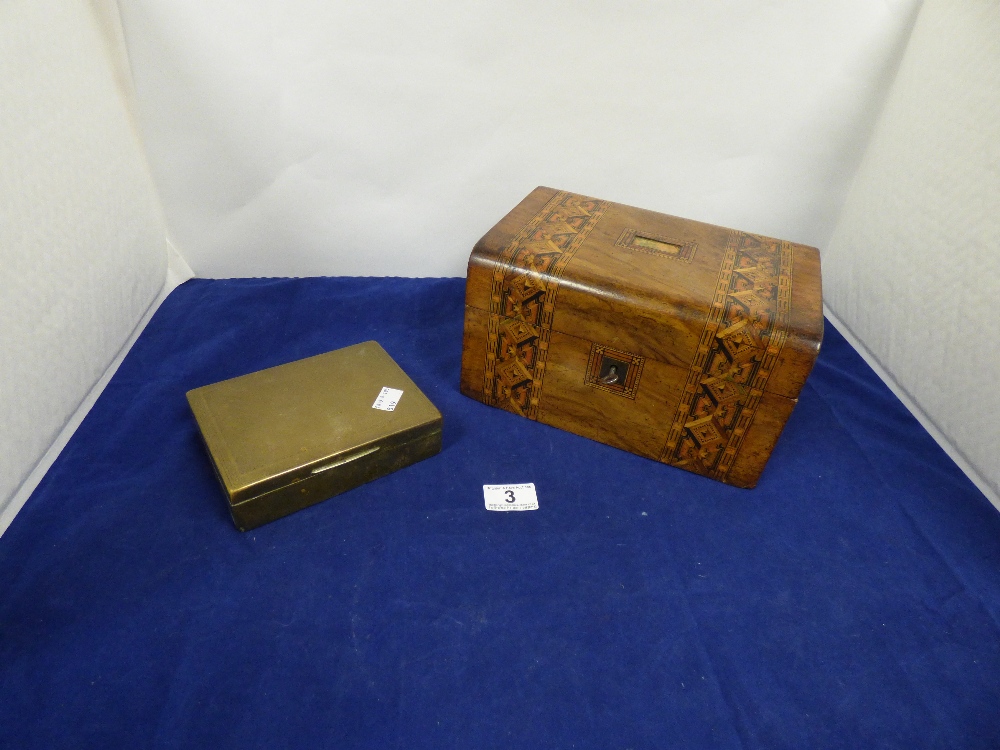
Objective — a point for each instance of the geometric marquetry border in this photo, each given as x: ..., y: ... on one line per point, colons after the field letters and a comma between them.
x: 754, y: 356
x: 523, y: 293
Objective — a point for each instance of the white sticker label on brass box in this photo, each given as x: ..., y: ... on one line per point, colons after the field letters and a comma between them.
x: 387, y: 399
x: 510, y: 496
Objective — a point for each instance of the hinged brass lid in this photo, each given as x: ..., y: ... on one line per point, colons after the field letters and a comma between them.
x: 273, y: 427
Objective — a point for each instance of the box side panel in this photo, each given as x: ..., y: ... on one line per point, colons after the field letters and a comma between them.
x: 487, y: 252
x: 633, y: 417
x: 474, y: 352
x: 283, y: 501
x: 805, y: 325
x: 739, y: 352
x: 760, y: 439
x: 213, y: 439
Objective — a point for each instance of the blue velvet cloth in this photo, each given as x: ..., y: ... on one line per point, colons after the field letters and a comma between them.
x: 851, y: 600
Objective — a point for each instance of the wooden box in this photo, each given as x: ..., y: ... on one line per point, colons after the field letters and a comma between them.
x: 285, y: 438
x: 680, y: 341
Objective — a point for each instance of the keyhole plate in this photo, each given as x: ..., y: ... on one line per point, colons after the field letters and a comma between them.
x: 628, y: 367
x: 610, y: 366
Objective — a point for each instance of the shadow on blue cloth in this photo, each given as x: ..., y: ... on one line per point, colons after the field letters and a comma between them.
x: 851, y: 600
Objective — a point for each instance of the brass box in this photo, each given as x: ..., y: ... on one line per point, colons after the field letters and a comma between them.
x: 288, y: 437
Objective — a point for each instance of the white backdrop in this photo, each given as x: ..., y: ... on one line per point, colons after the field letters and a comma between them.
x: 306, y: 137
x: 82, y: 239
x: 913, y: 268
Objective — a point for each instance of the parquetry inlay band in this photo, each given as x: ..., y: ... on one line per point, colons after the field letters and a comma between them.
x: 523, y: 296
x: 739, y: 347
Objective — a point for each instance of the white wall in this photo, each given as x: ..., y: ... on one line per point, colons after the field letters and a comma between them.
x: 82, y: 240
x: 304, y: 137
x: 913, y: 269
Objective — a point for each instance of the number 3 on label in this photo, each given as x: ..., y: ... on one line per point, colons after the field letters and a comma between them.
x: 510, y: 496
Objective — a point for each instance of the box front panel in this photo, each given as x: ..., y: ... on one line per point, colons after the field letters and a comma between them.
x: 638, y: 411
x: 371, y: 464
x: 609, y: 395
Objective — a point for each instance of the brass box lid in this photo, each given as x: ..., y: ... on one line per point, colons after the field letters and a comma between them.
x: 295, y: 422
